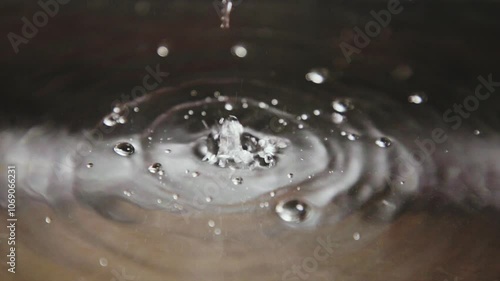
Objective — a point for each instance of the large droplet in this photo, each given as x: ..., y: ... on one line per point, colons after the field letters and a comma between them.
x: 154, y: 168
x: 383, y: 142
x: 292, y: 211
x: 342, y: 105
x: 124, y: 149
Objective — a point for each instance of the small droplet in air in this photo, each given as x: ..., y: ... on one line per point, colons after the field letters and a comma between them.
x: 228, y: 107
x: 239, y: 51
x: 477, y: 132
x: 237, y: 180
x: 136, y: 109
x: 162, y: 51
x: 356, y: 236
x: 274, y: 102
x: 383, y: 142
x: 217, y: 231
x: 292, y: 211
x: 124, y: 149
x: 417, y: 98
x: 208, y: 199
x: 342, y: 105
x: 90, y: 165
x: 290, y: 175
x: 211, y: 223
x: 316, y: 112
x: 272, y: 193
x: 337, y: 118
x: 48, y: 220
x: 103, y: 262
x: 154, y: 168
x: 304, y: 116
x: 127, y: 193
x: 195, y: 174
x: 317, y: 76
x: 175, y: 196
x: 168, y: 151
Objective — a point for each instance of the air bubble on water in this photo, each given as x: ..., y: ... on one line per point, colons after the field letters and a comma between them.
x: 317, y: 76
x: 342, y: 105
x: 292, y: 210
x: 90, y: 165
x: 383, y: 142
x: 103, y: 262
x: 316, y: 112
x: 337, y: 118
x: 124, y: 149
x: 237, y: 180
x: 477, y: 132
x: 154, y: 168
x: 239, y: 51
x: 48, y: 220
x: 274, y: 102
x: 417, y: 98
x: 162, y: 51
x: 356, y: 236
x: 211, y: 223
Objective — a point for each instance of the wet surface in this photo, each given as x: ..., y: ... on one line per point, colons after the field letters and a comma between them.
x: 172, y: 148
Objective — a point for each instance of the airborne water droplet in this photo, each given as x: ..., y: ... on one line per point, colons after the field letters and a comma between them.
x: 103, y: 262
x: 292, y: 211
x: 48, y: 220
x: 356, y: 236
x: 342, y: 105
x: 337, y: 118
x: 417, y: 98
x: 237, y: 180
x: 124, y: 149
x: 477, y: 132
x: 383, y: 142
x: 90, y: 165
x: 290, y: 175
x: 154, y: 168
x: 195, y: 174
x: 211, y: 223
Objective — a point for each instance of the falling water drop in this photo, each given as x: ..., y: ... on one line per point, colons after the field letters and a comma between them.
x: 211, y: 223
x: 292, y: 211
x: 103, y: 262
x: 417, y: 98
x: 154, y: 168
x: 162, y: 51
x: 290, y: 175
x: 356, y: 236
x: 124, y: 149
x: 383, y: 142
x: 342, y: 105
x: 168, y: 151
x: 239, y: 51
x: 477, y: 132
x: 90, y: 165
x: 195, y: 174
x: 337, y: 118
x: 237, y: 180
x: 208, y: 199
x: 317, y: 76
x: 48, y: 220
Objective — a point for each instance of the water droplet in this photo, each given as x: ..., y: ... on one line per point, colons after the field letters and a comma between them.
x: 300, y: 126
x: 136, y: 109
x: 127, y: 193
x: 124, y: 149
x: 383, y: 142
x: 211, y: 223
x: 90, y: 165
x: 237, y: 180
x: 217, y: 231
x: 208, y: 199
x: 103, y: 262
x: 190, y: 112
x: 228, y: 107
x: 175, y: 196
x: 162, y: 51
x: 274, y: 102
x: 272, y: 193
x: 48, y: 220
x: 290, y: 175
x: 342, y: 105
x: 356, y: 236
x: 417, y: 98
x: 195, y: 174
x: 304, y: 116
x: 337, y: 118
x: 316, y: 112
x: 477, y: 132
x: 317, y: 76
x: 168, y: 151
x: 158, y: 201
x: 154, y: 168
x: 239, y: 51
x: 292, y: 211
